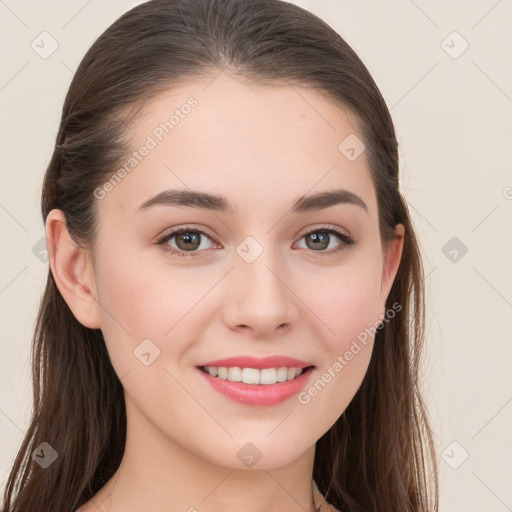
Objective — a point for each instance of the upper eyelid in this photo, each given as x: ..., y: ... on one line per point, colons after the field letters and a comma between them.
x: 176, y: 231
x: 312, y: 228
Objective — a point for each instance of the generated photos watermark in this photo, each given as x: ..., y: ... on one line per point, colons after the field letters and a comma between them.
x: 152, y: 140
x: 344, y: 359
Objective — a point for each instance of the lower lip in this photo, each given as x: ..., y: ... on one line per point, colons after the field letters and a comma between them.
x: 258, y: 394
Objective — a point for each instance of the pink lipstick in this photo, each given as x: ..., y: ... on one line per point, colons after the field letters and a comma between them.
x: 268, y: 380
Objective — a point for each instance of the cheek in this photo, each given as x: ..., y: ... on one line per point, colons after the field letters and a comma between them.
x: 344, y: 300
x: 141, y: 301
x: 346, y: 308
x: 129, y: 305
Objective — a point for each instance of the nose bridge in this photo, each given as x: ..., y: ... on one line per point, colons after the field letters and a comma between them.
x: 260, y: 299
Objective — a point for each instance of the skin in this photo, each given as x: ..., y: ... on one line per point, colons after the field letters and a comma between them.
x: 262, y: 147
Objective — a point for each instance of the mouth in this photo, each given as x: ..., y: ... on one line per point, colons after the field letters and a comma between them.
x: 256, y: 376
x: 257, y: 387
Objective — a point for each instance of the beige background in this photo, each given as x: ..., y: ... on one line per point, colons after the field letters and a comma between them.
x: 453, y: 115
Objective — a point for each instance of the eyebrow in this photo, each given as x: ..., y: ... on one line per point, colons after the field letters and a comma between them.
x: 205, y: 201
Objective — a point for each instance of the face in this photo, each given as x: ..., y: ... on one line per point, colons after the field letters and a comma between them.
x: 248, y: 273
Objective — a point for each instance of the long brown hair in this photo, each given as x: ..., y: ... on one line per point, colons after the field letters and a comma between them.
x: 379, y: 455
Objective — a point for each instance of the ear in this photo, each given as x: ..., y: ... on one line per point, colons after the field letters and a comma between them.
x: 391, y: 263
x: 72, y: 271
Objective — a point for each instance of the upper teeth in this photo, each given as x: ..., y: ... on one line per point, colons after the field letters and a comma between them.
x: 254, y: 375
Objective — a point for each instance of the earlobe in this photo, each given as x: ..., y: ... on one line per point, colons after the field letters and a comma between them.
x: 72, y: 271
x: 391, y: 264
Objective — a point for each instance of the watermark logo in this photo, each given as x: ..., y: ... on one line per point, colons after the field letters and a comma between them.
x: 351, y: 147
x: 44, y: 455
x: 454, y: 455
x: 146, y: 352
x: 249, y: 455
x: 249, y: 249
x: 45, y: 45
x: 40, y: 250
x: 454, y: 249
x: 454, y: 45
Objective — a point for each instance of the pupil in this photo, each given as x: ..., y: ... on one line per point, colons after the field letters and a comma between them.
x: 191, y: 240
x: 322, y: 238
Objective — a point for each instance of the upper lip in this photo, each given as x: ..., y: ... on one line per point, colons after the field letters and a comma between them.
x: 258, y: 362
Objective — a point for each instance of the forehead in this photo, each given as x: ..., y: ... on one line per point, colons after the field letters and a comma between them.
x: 224, y: 135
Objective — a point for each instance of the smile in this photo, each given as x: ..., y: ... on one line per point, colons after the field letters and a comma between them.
x: 266, y: 376
x: 256, y: 387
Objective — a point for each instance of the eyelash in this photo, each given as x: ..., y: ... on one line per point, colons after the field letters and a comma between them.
x: 347, y: 241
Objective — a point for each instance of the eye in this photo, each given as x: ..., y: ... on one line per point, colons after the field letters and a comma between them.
x: 191, y: 241
x: 188, y: 241
x: 320, y: 238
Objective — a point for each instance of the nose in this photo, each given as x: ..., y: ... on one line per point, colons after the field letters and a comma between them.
x: 260, y: 297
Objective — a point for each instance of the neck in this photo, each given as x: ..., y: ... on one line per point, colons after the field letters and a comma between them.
x: 157, y: 475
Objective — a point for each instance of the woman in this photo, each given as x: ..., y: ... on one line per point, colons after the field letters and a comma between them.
x: 234, y: 309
